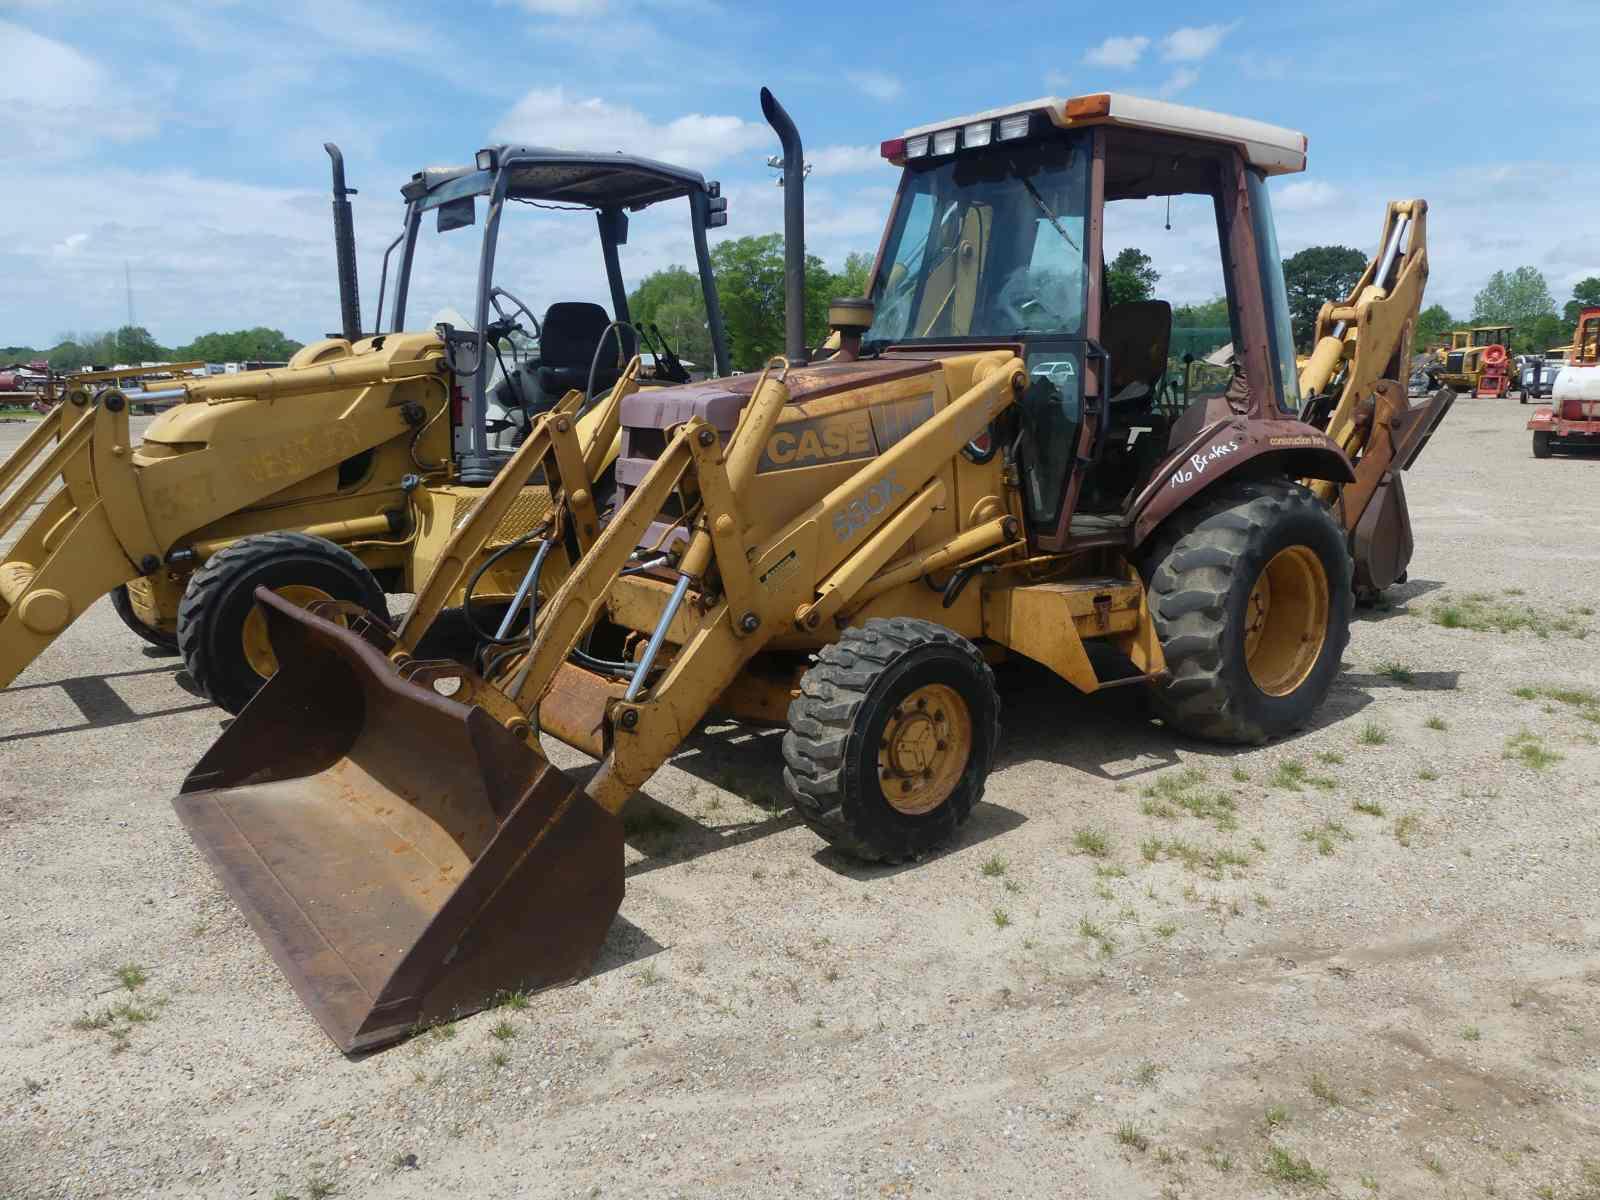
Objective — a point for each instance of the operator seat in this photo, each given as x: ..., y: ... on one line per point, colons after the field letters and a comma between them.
x: 570, y: 334
x: 1137, y: 334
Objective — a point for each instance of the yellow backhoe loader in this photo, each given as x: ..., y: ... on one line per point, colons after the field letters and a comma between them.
x: 342, y: 475
x: 842, y: 547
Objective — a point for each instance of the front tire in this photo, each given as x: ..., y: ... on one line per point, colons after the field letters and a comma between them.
x: 891, y: 738
x: 221, y: 632
x: 1250, y: 590
x: 123, y: 604
x: 1543, y: 443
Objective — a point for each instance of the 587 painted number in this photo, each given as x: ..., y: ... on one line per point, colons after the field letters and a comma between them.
x: 873, y: 501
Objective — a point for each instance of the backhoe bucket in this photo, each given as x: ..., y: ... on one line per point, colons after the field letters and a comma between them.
x: 1381, y: 543
x: 404, y: 857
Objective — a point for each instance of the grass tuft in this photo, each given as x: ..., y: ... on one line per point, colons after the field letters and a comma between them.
x: 994, y: 866
x: 1001, y: 918
x: 1406, y: 828
x: 131, y: 977
x: 1436, y: 723
x: 1326, y: 836
x: 1373, y: 734
x: 1484, y: 614
x: 1528, y: 748
x: 1092, y: 842
x: 504, y: 1031
x: 1130, y: 1135
x: 1283, y: 1166
x: 1371, y: 807
x: 1323, y: 1090
x: 1396, y: 671
x: 1146, y: 1074
x: 1472, y: 1033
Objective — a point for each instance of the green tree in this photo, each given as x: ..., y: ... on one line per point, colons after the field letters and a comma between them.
x: 1585, y: 295
x: 1516, y: 298
x: 1433, y: 327
x: 671, y: 299
x: 242, y: 345
x: 1131, y: 277
x: 1209, y: 315
x: 852, y: 279
x: 1547, y: 332
x: 135, y: 345
x: 1315, y: 276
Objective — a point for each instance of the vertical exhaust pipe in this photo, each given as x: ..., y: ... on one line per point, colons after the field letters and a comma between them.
x: 794, y: 227
x: 344, y: 248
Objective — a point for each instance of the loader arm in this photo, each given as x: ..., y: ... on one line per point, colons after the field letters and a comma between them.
x: 407, y: 856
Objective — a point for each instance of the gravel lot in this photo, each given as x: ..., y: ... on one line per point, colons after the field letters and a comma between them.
x: 1401, y: 1002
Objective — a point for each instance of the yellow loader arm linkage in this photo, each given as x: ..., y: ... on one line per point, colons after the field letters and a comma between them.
x: 437, y: 855
x: 1362, y: 355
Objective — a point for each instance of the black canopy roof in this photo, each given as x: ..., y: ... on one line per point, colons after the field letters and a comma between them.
x: 568, y: 177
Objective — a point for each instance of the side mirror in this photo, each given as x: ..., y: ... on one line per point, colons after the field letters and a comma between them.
x: 457, y: 214
x: 461, y: 349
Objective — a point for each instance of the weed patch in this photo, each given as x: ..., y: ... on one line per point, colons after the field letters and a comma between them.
x: 1286, y: 1167
x: 1372, y: 734
x: 1326, y: 836
x: 1371, y: 807
x: 1130, y: 1135
x: 1406, y: 828
x: 1092, y: 842
x: 1481, y: 613
x: 1528, y: 748
x: 1397, y: 671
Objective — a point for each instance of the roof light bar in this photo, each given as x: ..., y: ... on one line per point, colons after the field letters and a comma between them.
x: 1014, y: 127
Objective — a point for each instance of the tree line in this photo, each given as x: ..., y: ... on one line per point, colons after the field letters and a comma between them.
x: 134, y: 344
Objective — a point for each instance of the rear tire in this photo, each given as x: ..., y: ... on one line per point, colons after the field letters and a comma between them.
x: 891, y: 738
x: 1244, y: 667
x: 123, y: 604
x: 1543, y: 443
x: 222, y: 646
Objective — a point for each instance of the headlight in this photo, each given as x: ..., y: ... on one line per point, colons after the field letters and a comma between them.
x: 1013, y: 127
x: 917, y: 147
x: 979, y: 133
x: 944, y: 142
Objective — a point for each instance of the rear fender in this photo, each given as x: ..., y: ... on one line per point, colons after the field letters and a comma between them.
x: 1235, y: 448
x: 1543, y: 419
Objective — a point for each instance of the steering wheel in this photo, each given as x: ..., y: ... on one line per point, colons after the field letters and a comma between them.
x: 517, y: 306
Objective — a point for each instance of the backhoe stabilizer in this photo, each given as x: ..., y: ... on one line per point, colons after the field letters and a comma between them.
x: 405, y: 858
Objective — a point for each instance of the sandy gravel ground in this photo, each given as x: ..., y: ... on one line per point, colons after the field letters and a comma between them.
x: 1126, y: 979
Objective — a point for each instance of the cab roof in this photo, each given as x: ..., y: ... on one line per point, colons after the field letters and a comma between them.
x: 577, y: 178
x: 1272, y: 149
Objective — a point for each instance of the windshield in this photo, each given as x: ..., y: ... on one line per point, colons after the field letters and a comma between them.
x: 987, y: 244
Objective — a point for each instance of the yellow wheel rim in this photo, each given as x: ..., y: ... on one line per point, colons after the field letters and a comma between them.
x: 924, y: 749
x: 1286, y: 621
x: 257, y: 645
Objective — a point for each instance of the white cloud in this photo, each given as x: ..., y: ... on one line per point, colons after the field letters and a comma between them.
x: 58, y: 101
x: 1193, y: 43
x: 844, y: 160
x: 1179, y: 80
x: 1118, y: 52
x: 1304, y: 194
x: 550, y: 117
x: 565, y: 8
x: 877, y: 84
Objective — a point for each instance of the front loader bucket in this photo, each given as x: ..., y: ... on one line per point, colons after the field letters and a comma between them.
x: 404, y: 857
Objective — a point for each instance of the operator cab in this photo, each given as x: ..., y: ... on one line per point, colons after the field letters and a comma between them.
x: 998, y: 238
x: 509, y: 364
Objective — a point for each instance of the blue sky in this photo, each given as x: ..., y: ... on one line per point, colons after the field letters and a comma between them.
x: 185, y: 139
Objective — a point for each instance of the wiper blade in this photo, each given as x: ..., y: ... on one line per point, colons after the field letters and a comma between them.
x: 1050, y: 216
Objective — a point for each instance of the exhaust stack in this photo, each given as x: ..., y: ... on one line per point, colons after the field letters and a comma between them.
x: 794, y: 227
x: 344, y: 248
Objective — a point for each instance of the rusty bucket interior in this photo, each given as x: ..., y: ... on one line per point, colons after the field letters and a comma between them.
x: 404, y: 857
